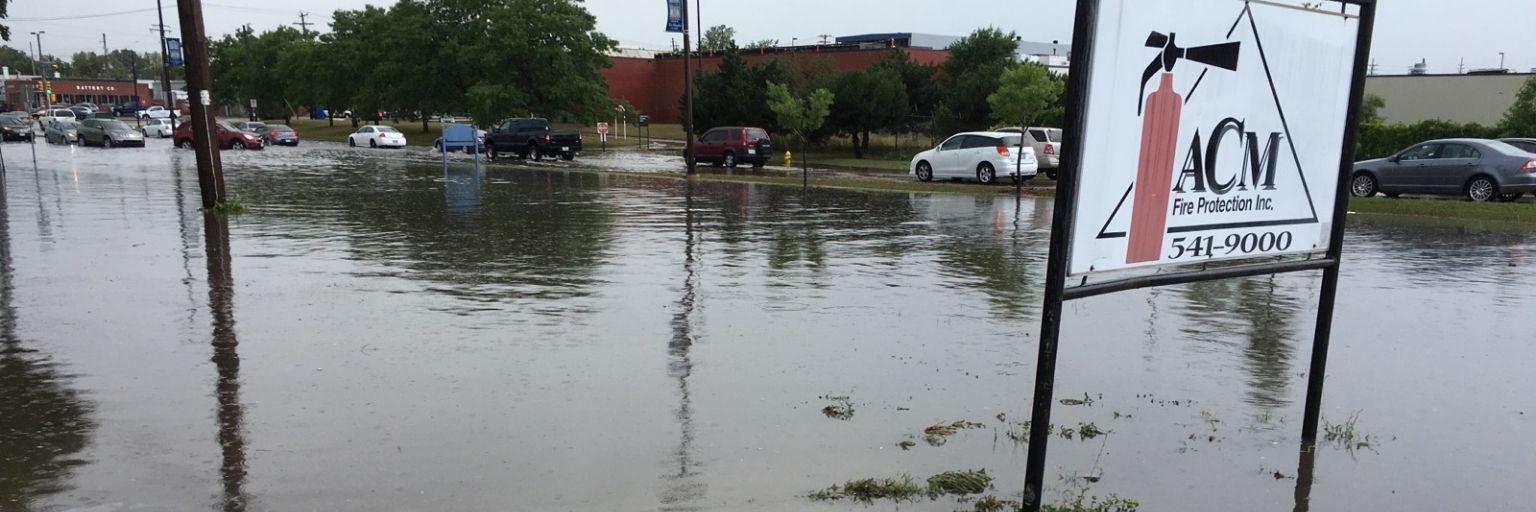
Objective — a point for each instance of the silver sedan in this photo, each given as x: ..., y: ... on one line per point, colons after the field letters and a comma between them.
x: 1476, y: 168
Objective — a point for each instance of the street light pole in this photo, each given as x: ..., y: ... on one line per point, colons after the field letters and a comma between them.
x: 1501, y: 60
x: 40, y: 53
x: 165, y: 64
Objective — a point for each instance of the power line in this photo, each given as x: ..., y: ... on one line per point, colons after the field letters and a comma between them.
x: 80, y: 17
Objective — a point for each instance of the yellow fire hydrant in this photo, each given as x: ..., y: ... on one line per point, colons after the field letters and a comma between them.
x: 789, y: 159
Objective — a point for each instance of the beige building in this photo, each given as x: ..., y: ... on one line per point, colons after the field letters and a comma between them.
x: 1478, y: 99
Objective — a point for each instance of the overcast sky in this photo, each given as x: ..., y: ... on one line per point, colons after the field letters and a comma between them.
x: 1407, y: 30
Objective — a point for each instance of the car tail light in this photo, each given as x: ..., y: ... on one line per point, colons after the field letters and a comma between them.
x: 548, y: 137
x: 1002, y: 151
x: 1530, y: 165
x: 1050, y: 149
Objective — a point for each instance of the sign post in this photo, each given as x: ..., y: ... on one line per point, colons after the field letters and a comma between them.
x: 602, y: 133
x: 1246, y: 116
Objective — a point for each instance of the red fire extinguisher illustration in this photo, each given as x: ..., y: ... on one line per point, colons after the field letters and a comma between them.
x: 1161, y: 113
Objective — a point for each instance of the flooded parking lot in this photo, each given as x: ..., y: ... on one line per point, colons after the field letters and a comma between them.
x: 377, y: 334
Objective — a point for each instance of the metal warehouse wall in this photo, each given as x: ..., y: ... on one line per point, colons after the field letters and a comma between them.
x: 1462, y: 98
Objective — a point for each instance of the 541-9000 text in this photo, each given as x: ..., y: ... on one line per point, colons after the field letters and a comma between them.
x: 1245, y: 243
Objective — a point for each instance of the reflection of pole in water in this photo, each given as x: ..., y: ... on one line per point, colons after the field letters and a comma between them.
x: 221, y: 294
x: 683, y: 491
x: 187, y: 240
x: 1304, y: 476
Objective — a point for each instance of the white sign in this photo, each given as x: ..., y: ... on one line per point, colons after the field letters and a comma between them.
x: 1213, y: 131
x: 204, y: 98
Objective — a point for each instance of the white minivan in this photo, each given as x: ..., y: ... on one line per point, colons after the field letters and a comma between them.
x: 56, y: 114
x: 981, y: 156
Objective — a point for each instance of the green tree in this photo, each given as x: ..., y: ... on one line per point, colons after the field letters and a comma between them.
x: 874, y: 100
x: 719, y: 38
x: 800, y: 116
x: 1520, y: 119
x: 1370, y: 109
x: 762, y: 44
x: 1028, y: 94
x: 971, y: 73
x: 543, y: 56
x: 918, y: 80
x: 17, y: 60
x: 5, y: 30
x: 733, y: 93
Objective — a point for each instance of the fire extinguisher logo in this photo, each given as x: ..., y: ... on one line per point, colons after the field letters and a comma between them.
x: 1160, y: 112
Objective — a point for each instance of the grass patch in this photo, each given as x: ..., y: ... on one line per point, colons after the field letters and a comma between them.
x: 311, y: 129
x: 1080, y: 503
x: 1344, y: 435
x: 959, y: 483
x: 990, y: 503
x: 938, y: 434
x: 861, y: 163
x: 231, y: 205
x: 1505, y: 213
x: 840, y: 409
x: 869, y: 489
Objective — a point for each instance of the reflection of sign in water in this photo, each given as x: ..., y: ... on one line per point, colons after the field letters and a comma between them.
x: 173, y: 51
x: 461, y: 192
x: 675, y: 16
x: 1239, y: 134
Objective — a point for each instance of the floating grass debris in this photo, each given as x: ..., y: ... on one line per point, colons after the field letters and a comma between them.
x: 1344, y: 435
x: 990, y: 503
x: 1085, y: 401
x: 938, y: 434
x: 1089, y: 431
x: 959, y: 483
x: 906, y: 444
x: 231, y: 205
x: 1085, y: 431
x: 841, y: 408
x: 867, y: 490
x: 1110, y: 503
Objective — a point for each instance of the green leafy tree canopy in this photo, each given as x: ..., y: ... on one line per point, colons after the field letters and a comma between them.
x: 1027, y: 94
x: 1520, y: 119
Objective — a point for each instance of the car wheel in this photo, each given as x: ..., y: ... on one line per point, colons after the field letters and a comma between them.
x: 1051, y: 174
x: 490, y: 151
x: 351, y: 142
x: 1364, y: 185
x: 568, y: 156
x: 1482, y: 188
x: 924, y: 171
x: 107, y: 143
x: 534, y: 153
x: 185, y: 143
x: 239, y: 144
x: 373, y: 143
x: 729, y: 160
x: 986, y: 174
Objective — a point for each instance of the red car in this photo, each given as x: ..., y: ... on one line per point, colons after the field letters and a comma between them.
x: 731, y: 145
x: 228, y: 136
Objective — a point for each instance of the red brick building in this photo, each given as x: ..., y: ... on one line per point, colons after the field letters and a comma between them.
x: 23, y: 92
x: 653, y: 85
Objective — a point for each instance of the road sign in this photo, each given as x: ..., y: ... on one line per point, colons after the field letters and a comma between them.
x: 644, y: 120
x: 602, y: 128
x: 1213, y: 132
x: 675, y: 16
x: 173, y: 51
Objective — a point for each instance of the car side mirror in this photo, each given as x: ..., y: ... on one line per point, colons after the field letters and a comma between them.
x: 1394, y: 159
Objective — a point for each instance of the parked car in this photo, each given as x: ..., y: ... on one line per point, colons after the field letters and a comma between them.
x: 61, y: 132
x: 1046, y: 143
x: 81, y: 113
x: 130, y: 109
x: 377, y: 136
x: 15, y: 128
x: 981, y: 156
x: 161, y: 128
x: 1476, y: 168
x: 731, y: 145
x: 1526, y: 144
x: 57, y: 114
x: 278, y: 134
x: 109, y: 133
x: 447, y: 119
x: 438, y: 144
x: 101, y: 115
x: 250, y: 126
x: 530, y: 137
x: 226, y: 135
x: 156, y: 112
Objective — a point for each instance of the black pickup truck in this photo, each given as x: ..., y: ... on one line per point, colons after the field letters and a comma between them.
x: 531, y: 138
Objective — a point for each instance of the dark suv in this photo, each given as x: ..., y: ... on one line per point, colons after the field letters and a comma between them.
x: 731, y: 145
x: 531, y: 138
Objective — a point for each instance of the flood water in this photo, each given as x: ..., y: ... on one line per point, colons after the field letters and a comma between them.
x: 375, y: 335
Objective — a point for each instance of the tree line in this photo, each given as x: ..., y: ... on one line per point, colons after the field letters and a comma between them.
x: 489, y: 58
x: 117, y: 65
x: 982, y: 84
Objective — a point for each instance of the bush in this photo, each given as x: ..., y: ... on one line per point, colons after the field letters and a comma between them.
x: 1377, y: 140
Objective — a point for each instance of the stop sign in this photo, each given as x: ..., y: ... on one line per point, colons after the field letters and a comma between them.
x: 602, y: 128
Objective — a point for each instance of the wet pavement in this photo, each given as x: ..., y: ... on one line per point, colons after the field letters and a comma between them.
x: 377, y: 335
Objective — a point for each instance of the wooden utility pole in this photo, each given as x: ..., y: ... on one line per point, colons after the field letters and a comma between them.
x: 210, y: 172
x: 688, y: 83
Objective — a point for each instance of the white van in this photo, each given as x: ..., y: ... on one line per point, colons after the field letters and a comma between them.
x: 57, y: 114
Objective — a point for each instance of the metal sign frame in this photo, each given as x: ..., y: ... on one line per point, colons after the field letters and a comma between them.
x: 1056, y: 292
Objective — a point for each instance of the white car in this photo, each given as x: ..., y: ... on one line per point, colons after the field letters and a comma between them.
x: 377, y: 136
x: 981, y: 156
x: 161, y: 128
x: 1047, y: 144
x: 156, y: 112
x: 56, y: 114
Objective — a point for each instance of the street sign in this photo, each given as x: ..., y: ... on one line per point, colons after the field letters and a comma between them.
x: 173, y: 51
x: 644, y: 120
x: 1213, y: 132
x: 253, y: 103
x: 602, y: 128
x: 675, y: 16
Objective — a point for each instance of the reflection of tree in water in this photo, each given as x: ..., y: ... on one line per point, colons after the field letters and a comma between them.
x: 536, y: 235
x: 683, y: 489
x: 1261, y: 313
x: 996, y: 255
x: 43, y: 423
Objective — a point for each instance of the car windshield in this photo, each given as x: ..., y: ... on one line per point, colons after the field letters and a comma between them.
x: 113, y: 124
x: 12, y: 121
x: 387, y: 129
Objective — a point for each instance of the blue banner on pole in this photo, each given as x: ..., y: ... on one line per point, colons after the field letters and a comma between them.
x: 675, y: 16
x: 173, y: 51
